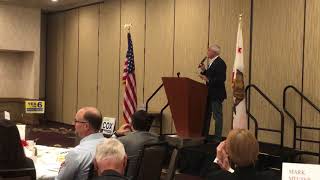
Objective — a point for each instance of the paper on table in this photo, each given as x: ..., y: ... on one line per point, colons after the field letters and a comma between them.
x: 53, y: 166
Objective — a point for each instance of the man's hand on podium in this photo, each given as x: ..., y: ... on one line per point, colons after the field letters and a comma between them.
x: 203, y: 77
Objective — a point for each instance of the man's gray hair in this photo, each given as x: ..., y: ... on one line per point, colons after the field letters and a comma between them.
x: 110, y: 149
x: 216, y: 48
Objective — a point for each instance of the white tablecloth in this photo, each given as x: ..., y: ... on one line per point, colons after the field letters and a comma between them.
x: 48, y: 160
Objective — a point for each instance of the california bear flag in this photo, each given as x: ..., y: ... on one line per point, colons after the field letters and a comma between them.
x: 239, y: 103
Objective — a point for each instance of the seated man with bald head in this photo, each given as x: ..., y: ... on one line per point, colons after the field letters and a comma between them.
x: 77, y: 163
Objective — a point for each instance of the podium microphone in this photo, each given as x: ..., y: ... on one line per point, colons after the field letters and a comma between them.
x: 202, y: 61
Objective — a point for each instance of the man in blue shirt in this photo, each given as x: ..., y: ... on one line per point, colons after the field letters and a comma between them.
x: 87, y: 124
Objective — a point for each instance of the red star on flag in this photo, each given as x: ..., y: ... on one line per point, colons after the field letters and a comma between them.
x: 239, y: 50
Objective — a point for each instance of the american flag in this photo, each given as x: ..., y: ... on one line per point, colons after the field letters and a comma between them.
x: 129, y: 79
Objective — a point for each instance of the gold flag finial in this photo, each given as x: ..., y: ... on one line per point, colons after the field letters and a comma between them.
x: 240, y: 16
x: 127, y: 27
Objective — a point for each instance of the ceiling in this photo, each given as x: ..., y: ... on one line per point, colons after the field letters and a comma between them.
x: 48, y: 5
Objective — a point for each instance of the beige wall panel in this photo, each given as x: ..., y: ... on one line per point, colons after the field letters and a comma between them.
x: 312, y: 74
x: 133, y: 11
x: 11, y: 68
x: 109, y: 39
x: 159, y: 54
x: 54, y: 81
x: 21, y: 31
x: 88, y: 55
x: 191, y: 36
x: 43, y: 49
x: 276, y: 60
x: 70, y: 78
x: 225, y: 34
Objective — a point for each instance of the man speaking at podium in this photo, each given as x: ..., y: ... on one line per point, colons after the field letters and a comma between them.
x: 214, y: 76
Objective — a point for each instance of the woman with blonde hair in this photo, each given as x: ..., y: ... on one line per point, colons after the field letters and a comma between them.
x: 240, y: 151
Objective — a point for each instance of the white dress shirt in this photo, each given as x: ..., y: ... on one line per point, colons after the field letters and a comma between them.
x: 212, y: 60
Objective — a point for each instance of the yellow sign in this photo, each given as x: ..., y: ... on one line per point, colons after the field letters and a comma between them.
x: 35, y: 107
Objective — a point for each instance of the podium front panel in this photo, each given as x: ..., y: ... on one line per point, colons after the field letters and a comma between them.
x: 187, y: 99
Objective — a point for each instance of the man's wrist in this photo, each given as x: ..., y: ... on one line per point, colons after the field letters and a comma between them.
x: 117, y: 134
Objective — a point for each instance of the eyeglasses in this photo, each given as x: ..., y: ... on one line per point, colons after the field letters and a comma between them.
x: 76, y: 121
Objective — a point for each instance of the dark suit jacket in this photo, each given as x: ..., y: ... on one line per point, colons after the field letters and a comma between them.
x: 133, y: 144
x: 244, y: 173
x: 110, y: 175
x: 216, y: 74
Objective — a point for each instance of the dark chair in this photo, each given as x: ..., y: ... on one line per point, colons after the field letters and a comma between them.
x: 22, y: 173
x: 132, y: 164
x: 150, y: 161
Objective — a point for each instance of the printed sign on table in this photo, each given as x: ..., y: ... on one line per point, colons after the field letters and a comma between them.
x: 35, y: 107
x: 293, y: 171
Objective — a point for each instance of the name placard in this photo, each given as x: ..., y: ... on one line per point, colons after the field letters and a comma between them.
x: 297, y: 171
x: 35, y: 107
x: 107, y: 125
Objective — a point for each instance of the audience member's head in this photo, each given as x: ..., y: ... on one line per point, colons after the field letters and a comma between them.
x: 141, y: 120
x: 87, y: 121
x: 11, y: 150
x: 242, y: 147
x: 110, y: 155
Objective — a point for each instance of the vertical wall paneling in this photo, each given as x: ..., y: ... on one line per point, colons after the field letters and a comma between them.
x: 159, y: 53
x: 190, y: 49
x: 109, y: 44
x: 43, y: 49
x: 70, y: 77
x: 88, y: 55
x: 276, y: 61
x: 54, y: 84
x: 311, y: 75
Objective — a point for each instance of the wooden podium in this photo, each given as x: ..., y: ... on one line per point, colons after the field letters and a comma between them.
x: 187, y: 99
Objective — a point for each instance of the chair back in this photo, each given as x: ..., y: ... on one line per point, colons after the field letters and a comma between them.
x: 132, y: 164
x: 17, y: 174
x: 150, y: 161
